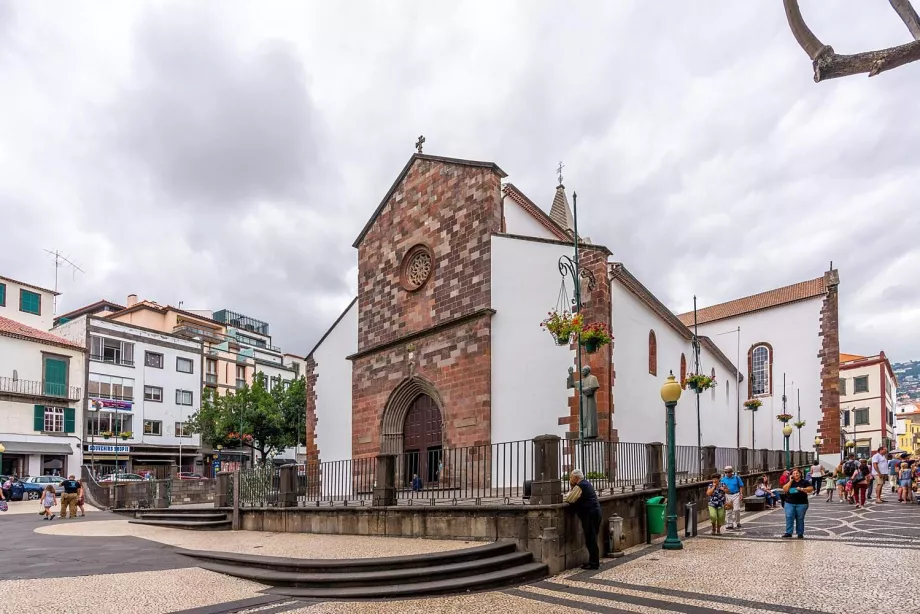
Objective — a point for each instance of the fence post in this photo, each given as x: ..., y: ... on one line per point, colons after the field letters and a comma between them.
x: 162, y: 500
x: 173, y: 471
x: 709, y: 461
x: 745, y: 467
x: 236, y: 500
x: 287, y: 486
x: 385, y: 485
x: 546, y: 488
x: 779, y: 459
x: 656, y: 477
x: 765, y: 464
x: 221, y: 498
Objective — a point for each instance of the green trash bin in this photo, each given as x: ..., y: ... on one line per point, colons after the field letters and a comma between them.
x: 655, y: 511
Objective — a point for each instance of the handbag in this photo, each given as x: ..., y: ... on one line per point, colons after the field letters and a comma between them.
x: 4, y: 506
x: 729, y: 505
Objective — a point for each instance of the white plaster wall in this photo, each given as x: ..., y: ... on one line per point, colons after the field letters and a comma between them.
x: 792, y: 330
x: 11, y: 308
x: 528, y: 370
x: 639, y: 414
x: 520, y: 222
x: 333, y: 388
x: 878, y: 427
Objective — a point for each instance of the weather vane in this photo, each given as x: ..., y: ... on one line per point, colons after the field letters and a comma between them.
x: 559, y: 171
x: 419, y: 143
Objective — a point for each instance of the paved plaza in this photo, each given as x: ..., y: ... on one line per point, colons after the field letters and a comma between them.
x: 108, y: 565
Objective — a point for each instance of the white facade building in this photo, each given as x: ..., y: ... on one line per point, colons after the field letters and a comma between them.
x: 143, y: 382
x: 41, y: 395
x: 22, y: 302
x: 868, y: 393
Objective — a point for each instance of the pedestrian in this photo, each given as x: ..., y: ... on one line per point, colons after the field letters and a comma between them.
x: 81, y: 501
x: 840, y: 484
x: 849, y: 467
x: 716, y: 493
x: 860, y: 481
x: 817, y: 476
x: 582, y: 498
x: 416, y: 483
x: 733, y: 497
x: 905, y: 483
x: 797, y: 490
x: 764, y: 490
x: 894, y: 466
x: 72, y: 489
x: 880, y: 472
x: 49, y: 500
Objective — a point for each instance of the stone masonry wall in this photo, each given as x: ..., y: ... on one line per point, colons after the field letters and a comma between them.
x: 311, y: 375
x: 450, y: 208
x: 829, y: 428
x: 457, y: 360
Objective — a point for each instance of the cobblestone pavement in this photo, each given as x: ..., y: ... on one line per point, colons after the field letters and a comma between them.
x: 748, y: 571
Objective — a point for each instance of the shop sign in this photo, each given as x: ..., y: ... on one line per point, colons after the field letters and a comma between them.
x: 108, y: 449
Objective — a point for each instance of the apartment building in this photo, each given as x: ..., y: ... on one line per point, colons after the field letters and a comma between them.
x: 41, y: 390
x: 142, y: 386
x: 868, y: 389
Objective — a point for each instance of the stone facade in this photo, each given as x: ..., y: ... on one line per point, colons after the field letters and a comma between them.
x: 829, y: 428
x: 312, y: 450
x: 434, y: 335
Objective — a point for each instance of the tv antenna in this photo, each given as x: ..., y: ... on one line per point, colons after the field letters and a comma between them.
x: 59, y: 261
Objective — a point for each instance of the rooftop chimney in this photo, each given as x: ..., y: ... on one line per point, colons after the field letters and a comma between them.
x: 132, y: 300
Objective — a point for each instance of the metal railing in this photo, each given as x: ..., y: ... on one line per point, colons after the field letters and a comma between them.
x: 726, y: 457
x: 342, y: 482
x: 39, y: 389
x: 689, y: 465
x: 112, y: 360
x: 617, y: 466
x: 260, y: 486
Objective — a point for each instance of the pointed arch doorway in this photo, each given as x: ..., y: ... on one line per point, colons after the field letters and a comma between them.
x: 423, y: 441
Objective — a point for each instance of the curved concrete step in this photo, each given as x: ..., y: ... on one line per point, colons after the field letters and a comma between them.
x: 417, y: 561
x: 372, y: 578
x: 493, y: 579
x: 172, y: 516
x: 205, y: 525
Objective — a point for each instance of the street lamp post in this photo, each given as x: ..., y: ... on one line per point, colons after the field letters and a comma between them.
x: 219, y: 464
x: 670, y: 394
x: 787, y: 431
x: 818, y: 442
x: 94, y: 410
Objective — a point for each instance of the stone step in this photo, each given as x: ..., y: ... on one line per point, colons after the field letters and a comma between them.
x: 194, y: 525
x: 519, y: 574
x: 173, y: 516
x: 353, y: 565
x: 274, y: 577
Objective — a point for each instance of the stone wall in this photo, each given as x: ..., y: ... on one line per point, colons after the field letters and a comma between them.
x: 829, y: 428
x: 192, y: 491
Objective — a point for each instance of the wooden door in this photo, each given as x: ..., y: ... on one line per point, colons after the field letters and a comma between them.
x: 422, y: 440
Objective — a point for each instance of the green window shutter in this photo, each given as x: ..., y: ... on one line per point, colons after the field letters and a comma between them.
x: 30, y: 302
x: 2, y: 295
x: 55, y: 377
x: 39, y: 418
x: 69, y: 420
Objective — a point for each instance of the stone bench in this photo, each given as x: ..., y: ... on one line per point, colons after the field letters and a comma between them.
x: 755, y: 504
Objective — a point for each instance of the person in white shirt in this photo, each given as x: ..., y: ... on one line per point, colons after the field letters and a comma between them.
x: 817, y: 477
x: 880, y: 472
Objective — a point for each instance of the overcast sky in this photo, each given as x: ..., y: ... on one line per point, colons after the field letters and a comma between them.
x: 227, y: 154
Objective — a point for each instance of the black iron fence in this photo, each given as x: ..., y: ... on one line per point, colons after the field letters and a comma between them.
x: 617, y: 466
x: 39, y: 389
x: 345, y: 482
x: 260, y: 486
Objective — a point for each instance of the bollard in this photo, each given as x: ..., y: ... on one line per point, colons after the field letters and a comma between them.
x: 690, y: 520
x: 616, y: 536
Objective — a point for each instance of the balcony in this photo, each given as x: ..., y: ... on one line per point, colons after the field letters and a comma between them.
x: 31, y: 388
x: 189, y: 331
x: 240, y: 383
x: 112, y: 360
x: 236, y: 320
x: 210, y: 379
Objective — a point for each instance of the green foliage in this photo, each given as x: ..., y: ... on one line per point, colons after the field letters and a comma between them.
x: 273, y: 418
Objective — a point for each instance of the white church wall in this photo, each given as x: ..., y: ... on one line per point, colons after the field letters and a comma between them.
x: 639, y: 414
x: 528, y: 370
x: 520, y: 222
x: 333, y: 388
x: 792, y: 331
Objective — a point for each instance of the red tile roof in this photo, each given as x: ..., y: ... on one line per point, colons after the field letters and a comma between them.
x: 17, y: 330
x: 765, y: 300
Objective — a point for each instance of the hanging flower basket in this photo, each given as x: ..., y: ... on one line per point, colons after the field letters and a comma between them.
x: 594, y: 336
x: 784, y: 418
x: 799, y: 424
x: 125, y: 435
x: 752, y: 404
x: 562, y: 326
x: 699, y: 382
x: 106, y: 434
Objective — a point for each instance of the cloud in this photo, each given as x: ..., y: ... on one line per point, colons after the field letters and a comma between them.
x: 229, y: 159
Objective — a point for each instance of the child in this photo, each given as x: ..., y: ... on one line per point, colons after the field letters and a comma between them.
x: 905, y: 483
x: 716, y: 493
x: 49, y: 500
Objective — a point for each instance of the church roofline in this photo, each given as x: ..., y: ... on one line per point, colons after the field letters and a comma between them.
x: 417, y: 156
x: 630, y: 282
x: 536, y: 212
x: 331, y: 328
x: 568, y: 242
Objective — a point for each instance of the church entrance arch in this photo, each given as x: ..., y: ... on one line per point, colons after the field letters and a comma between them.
x: 422, y: 440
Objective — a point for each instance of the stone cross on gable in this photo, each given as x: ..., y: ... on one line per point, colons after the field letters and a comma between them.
x: 559, y: 171
x: 419, y: 143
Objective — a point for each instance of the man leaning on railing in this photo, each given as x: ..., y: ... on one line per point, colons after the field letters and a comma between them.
x: 582, y: 498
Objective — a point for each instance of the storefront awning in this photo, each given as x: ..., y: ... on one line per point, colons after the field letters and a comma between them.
x: 28, y: 447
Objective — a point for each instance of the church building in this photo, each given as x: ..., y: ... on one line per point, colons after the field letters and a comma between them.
x: 442, y: 347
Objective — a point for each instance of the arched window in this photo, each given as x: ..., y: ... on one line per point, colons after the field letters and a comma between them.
x: 652, y: 353
x: 683, y: 371
x: 760, y: 369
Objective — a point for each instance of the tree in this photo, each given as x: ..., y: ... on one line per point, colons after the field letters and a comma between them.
x: 829, y: 65
x: 266, y: 421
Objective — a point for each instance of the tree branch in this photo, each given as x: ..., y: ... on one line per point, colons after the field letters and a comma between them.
x: 908, y: 15
x: 829, y: 65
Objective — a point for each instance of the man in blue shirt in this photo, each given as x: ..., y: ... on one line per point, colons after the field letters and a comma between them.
x: 735, y: 487
x: 582, y: 498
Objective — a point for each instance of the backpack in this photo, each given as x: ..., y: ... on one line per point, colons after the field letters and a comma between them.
x: 857, y: 477
x: 849, y: 467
